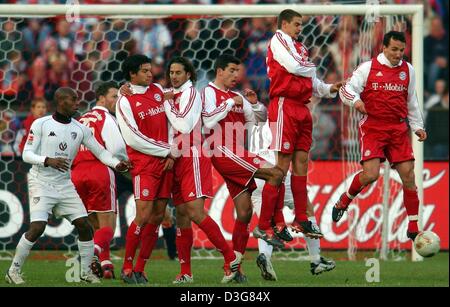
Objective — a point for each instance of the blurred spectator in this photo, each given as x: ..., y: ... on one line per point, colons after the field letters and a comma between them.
x: 152, y: 37
x: 323, y: 130
x: 64, y: 37
x: 38, y: 109
x: 439, y: 91
x: 436, y: 55
x: 436, y: 146
x: 33, y: 37
x: 9, y: 125
x: 10, y: 72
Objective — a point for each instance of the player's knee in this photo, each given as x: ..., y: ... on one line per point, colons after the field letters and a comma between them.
x: 372, y: 177
x: 276, y: 177
x: 83, y: 227
x: 244, y: 214
x: 35, y: 232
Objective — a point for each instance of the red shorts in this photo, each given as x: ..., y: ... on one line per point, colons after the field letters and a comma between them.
x: 237, y: 171
x: 291, y: 125
x: 96, y: 185
x: 192, y: 179
x: 385, y: 140
x: 152, y: 182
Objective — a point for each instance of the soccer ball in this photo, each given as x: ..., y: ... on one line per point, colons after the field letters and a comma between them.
x: 427, y: 243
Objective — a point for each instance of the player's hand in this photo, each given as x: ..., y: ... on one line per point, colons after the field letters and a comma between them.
x: 335, y: 87
x: 125, y: 90
x: 238, y: 101
x: 169, y: 162
x: 168, y: 95
x: 251, y: 96
x: 61, y: 164
x: 123, y: 166
x: 421, y: 134
x: 360, y: 107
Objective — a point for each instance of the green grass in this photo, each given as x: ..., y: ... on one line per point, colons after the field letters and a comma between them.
x: 45, y: 268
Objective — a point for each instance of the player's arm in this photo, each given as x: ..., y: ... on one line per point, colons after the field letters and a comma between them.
x: 131, y: 134
x: 112, y: 137
x: 325, y: 90
x: 284, y: 52
x: 415, y: 117
x: 259, y: 109
x: 351, y: 90
x: 190, y: 108
x: 211, y: 113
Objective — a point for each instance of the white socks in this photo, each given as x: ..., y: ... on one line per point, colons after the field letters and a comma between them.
x: 86, y: 249
x: 22, y: 251
x: 265, y: 248
x: 313, y: 244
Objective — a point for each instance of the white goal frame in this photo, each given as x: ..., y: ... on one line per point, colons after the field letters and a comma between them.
x: 161, y: 11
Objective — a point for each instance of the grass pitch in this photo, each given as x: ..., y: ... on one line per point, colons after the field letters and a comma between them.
x: 48, y: 269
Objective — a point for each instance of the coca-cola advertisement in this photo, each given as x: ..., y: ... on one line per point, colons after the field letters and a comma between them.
x: 363, y: 225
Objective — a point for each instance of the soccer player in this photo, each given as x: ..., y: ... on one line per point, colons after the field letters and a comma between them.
x: 145, y: 129
x: 383, y: 90
x: 229, y: 114
x: 292, y: 83
x: 192, y: 171
x: 260, y: 141
x: 53, y: 142
x: 95, y: 182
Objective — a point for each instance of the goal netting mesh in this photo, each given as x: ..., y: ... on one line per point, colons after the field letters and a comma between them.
x: 38, y: 55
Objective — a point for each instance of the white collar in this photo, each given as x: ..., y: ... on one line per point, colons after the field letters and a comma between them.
x: 215, y: 86
x: 182, y: 88
x: 100, y: 108
x: 138, y: 89
x: 383, y: 60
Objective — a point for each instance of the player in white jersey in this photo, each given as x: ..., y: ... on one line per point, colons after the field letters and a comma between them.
x: 261, y: 138
x: 52, y: 144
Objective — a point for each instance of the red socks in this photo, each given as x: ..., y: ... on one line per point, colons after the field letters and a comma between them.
x: 184, y: 243
x: 241, y: 233
x: 269, y: 203
x: 298, y: 186
x: 132, y: 242
x: 411, y: 202
x: 356, y: 186
x: 149, y: 237
x: 212, y: 231
x: 278, y: 216
x: 103, y: 238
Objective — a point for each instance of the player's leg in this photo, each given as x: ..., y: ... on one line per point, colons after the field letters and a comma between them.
x: 26, y: 242
x: 197, y: 214
x: 410, y: 198
x: 184, y: 242
x: 368, y: 175
x: 149, y: 237
x: 102, y: 239
x: 85, y: 248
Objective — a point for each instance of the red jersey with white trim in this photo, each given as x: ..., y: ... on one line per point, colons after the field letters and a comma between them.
x: 289, y: 69
x: 143, y: 122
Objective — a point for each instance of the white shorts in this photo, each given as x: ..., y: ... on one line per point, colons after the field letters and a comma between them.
x: 257, y: 194
x: 60, y: 199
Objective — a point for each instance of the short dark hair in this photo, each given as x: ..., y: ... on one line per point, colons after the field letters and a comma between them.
x: 103, y: 88
x: 287, y: 15
x: 133, y: 64
x: 223, y: 60
x: 395, y: 35
x: 187, y: 65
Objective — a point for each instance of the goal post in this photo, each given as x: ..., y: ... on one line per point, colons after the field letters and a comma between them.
x: 72, y: 10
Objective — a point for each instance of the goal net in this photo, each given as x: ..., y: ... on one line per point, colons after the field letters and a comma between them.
x: 44, y: 47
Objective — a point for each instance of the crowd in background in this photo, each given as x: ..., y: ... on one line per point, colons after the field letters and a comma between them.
x: 39, y: 55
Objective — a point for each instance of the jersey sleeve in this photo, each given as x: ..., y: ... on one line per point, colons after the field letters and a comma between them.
x: 351, y: 90
x: 112, y: 137
x: 101, y: 153
x: 415, y: 116
x: 190, y: 108
x: 211, y: 113
x: 286, y: 55
x: 131, y: 134
x: 33, y: 145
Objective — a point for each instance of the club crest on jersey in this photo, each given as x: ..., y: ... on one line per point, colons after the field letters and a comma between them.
x: 145, y: 192
x: 256, y: 160
x: 73, y: 135
x: 402, y: 75
x: 367, y: 153
x: 63, y: 146
x: 286, y: 145
x: 157, y: 97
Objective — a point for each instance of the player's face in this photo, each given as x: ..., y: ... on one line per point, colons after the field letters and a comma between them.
x: 39, y: 109
x: 178, y: 76
x: 70, y: 105
x: 230, y: 75
x: 111, y: 99
x: 144, y: 75
x: 292, y: 28
x: 394, y: 52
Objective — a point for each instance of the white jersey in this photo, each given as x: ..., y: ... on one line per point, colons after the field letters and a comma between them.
x: 50, y: 138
